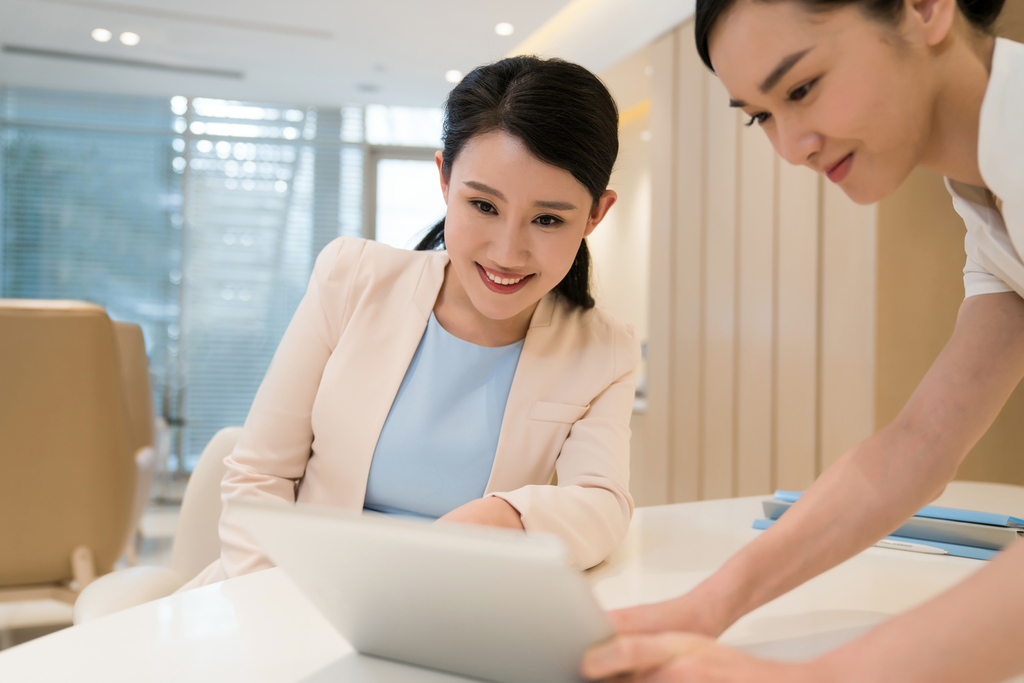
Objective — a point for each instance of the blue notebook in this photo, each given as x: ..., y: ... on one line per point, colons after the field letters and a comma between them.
x: 952, y: 548
x: 951, y: 514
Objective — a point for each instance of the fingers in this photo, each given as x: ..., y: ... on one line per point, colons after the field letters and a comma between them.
x: 638, y: 653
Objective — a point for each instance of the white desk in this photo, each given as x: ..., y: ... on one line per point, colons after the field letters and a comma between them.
x: 260, y: 628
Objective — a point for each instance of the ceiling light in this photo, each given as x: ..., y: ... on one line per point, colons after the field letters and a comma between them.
x: 504, y: 29
x: 130, y: 39
x: 453, y: 75
x: 101, y: 35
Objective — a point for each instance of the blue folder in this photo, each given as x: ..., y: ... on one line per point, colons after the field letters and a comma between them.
x: 951, y: 548
x: 951, y: 514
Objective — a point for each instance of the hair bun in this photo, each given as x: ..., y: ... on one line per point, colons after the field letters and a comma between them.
x: 981, y: 13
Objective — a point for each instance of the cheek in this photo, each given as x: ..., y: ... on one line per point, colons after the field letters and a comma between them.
x: 556, y: 252
x: 460, y: 234
x: 877, y: 104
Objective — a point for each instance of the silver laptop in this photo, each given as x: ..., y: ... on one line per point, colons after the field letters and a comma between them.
x: 484, y: 603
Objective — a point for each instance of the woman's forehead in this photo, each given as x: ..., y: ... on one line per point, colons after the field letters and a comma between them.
x: 755, y: 38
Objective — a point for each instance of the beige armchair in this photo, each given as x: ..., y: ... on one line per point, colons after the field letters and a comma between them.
x: 67, y: 473
x: 196, y: 542
x: 134, y: 365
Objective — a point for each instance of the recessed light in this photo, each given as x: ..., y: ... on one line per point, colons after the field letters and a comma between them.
x: 453, y: 75
x: 504, y: 29
x: 130, y: 39
x: 101, y: 35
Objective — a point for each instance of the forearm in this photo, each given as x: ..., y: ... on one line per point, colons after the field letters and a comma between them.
x: 863, y: 497
x: 970, y: 633
x: 877, y: 485
x: 489, y: 511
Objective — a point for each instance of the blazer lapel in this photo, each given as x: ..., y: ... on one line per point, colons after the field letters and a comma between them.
x: 363, y: 375
x: 512, y: 461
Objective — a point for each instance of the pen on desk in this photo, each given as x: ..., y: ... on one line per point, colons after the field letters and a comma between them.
x: 911, y: 547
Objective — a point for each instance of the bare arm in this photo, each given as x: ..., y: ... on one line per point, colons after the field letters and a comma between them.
x: 874, y: 487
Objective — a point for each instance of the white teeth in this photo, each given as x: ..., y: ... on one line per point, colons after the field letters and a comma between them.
x: 501, y: 280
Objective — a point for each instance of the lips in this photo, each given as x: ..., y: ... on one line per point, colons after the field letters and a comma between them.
x: 496, y: 282
x: 838, y: 172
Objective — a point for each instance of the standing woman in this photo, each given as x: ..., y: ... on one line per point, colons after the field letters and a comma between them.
x: 454, y: 383
x: 863, y: 91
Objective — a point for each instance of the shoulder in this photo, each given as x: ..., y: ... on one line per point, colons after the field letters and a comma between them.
x: 1000, y: 135
x: 595, y: 332
x: 355, y: 274
x: 345, y: 256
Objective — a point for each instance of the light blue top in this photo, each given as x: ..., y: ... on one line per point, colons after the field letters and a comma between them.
x: 437, y: 446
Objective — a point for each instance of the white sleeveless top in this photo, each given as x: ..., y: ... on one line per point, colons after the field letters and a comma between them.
x: 995, y: 220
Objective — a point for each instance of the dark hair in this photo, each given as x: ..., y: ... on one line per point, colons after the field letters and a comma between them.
x: 562, y: 113
x: 981, y: 13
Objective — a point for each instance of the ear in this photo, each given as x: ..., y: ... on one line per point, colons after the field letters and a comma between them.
x: 600, y: 210
x: 439, y: 159
x: 933, y: 18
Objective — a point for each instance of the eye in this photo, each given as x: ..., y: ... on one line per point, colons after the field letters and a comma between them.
x: 801, y: 92
x: 549, y: 221
x: 484, y: 207
x: 759, y: 119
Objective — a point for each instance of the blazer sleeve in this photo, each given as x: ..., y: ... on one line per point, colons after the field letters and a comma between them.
x: 274, y: 446
x: 590, y: 508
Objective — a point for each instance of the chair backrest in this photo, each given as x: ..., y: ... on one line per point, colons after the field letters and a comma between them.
x: 131, y: 354
x: 197, y: 541
x: 67, y: 474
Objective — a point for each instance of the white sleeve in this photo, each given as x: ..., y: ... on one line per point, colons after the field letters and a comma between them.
x: 977, y: 280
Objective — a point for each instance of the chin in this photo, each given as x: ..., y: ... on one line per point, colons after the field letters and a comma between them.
x: 864, y: 195
x: 498, y: 310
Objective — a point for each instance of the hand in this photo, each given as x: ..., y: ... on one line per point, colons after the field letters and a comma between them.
x: 683, y: 658
x: 687, y: 613
x: 490, y: 511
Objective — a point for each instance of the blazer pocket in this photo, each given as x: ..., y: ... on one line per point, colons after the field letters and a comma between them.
x: 557, y: 412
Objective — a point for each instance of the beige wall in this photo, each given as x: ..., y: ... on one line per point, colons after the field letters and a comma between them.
x: 620, y: 246
x: 761, y: 329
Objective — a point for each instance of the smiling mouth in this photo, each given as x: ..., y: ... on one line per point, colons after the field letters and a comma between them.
x: 506, y: 283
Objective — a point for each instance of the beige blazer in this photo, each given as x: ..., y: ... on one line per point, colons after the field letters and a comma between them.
x: 313, y: 426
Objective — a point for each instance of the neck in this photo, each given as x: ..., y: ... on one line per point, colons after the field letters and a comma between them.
x: 965, y: 65
x: 456, y: 313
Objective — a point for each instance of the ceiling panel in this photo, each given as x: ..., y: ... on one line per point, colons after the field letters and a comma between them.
x: 308, y: 51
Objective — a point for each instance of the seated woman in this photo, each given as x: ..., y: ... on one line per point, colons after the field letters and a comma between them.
x: 453, y: 384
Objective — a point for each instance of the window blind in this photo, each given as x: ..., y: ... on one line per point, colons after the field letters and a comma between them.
x: 197, y: 218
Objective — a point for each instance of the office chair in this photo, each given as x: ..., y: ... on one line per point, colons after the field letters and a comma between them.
x: 67, y: 472
x: 196, y: 542
x: 134, y: 365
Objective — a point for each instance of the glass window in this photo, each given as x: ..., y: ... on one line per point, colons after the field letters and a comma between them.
x: 199, y: 219
x: 409, y: 201
x: 406, y: 126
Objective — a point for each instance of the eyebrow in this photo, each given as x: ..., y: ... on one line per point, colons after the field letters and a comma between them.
x: 555, y: 206
x: 783, y: 67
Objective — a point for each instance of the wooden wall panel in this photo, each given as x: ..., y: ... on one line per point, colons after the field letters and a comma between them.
x: 718, y: 383
x: 796, y: 355
x: 848, y: 257
x: 760, y: 367
x: 650, y: 478
x: 690, y: 152
x: 756, y: 328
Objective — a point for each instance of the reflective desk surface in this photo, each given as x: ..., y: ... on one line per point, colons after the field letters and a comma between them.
x: 260, y: 628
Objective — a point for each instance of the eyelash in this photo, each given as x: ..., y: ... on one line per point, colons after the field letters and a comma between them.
x: 795, y: 96
x: 480, y: 204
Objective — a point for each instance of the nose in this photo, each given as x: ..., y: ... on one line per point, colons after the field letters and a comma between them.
x: 797, y: 143
x: 510, y: 245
